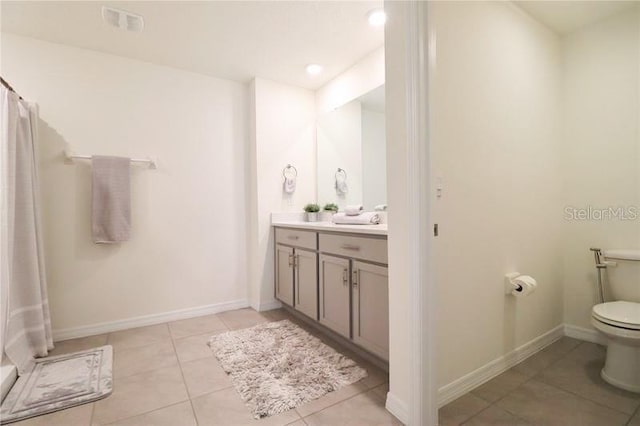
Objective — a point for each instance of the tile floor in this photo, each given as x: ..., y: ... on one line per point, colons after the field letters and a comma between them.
x: 560, y: 385
x: 166, y: 375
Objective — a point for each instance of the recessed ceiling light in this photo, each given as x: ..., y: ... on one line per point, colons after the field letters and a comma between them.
x: 314, y: 69
x: 377, y: 17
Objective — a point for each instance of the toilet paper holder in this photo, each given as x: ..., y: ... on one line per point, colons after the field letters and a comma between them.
x: 511, y: 285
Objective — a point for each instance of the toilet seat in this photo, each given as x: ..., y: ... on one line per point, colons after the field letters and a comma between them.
x: 618, y: 314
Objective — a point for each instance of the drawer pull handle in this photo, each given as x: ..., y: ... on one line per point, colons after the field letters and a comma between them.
x: 345, y: 277
x: 293, y: 237
x: 350, y: 247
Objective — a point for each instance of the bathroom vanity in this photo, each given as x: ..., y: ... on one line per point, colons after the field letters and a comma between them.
x: 337, y: 277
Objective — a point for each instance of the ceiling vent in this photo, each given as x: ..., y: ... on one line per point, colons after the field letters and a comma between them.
x: 122, y: 19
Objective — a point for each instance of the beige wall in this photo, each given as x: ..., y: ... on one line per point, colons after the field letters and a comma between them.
x: 283, y: 132
x: 188, y: 241
x: 496, y: 134
x: 601, y: 148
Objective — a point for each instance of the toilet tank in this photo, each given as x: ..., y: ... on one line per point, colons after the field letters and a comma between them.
x: 623, y: 279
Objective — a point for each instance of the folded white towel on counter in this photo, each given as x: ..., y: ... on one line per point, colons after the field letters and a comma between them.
x: 354, y: 209
x: 367, y: 218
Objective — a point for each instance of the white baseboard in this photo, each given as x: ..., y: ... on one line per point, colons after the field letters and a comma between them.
x: 107, y: 327
x: 488, y: 371
x: 397, y: 407
x: 586, y: 334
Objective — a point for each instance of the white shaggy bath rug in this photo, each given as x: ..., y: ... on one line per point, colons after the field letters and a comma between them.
x: 278, y: 366
x: 59, y: 382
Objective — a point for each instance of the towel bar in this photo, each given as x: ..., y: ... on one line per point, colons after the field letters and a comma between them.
x: 70, y: 157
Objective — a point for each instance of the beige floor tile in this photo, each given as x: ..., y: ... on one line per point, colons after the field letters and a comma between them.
x: 546, y: 357
x: 298, y: 423
x: 277, y: 315
x: 495, y: 416
x: 198, y: 325
x: 226, y: 408
x: 127, y: 362
x: 242, y: 318
x: 140, y: 394
x: 500, y: 385
x: 75, y: 416
x: 579, y: 373
x: 137, y: 337
x: 461, y: 410
x: 330, y: 399
x: 381, y: 391
x: 175, y: 415
x: 375, y: 376
x: 194, y: 347
x: 541, y: 404
x: 76, y: 345
x: 204, y: 376
x: 635, y: 420
x: 362, y: 409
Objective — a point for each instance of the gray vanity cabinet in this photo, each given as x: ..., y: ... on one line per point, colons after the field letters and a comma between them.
x: 297, y: 270
x: 284, y: 274
x: 306, y: 282
x: 339, y: 280
x: 334, y: 294
x: 370, y: 302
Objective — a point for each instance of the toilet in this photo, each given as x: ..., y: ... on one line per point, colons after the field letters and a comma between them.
x: 619, y: 319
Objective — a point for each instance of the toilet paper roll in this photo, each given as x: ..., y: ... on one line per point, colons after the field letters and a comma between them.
x: 525, y: 285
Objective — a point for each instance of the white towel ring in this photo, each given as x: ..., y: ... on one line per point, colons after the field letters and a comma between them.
x: 341, y: 172
x: 290, y: 172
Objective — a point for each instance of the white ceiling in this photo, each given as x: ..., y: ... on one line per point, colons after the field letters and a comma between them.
x: 564, y: 17
x: 229, y: 39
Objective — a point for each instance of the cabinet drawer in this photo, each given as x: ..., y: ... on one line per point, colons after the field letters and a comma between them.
x: 295, y: 237
x: 372, y: 249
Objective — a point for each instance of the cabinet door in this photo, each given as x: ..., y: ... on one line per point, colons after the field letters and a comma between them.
x: 284, y: 274
x: 334, y: 294
x: 306, y: 281
x: 370, y: 287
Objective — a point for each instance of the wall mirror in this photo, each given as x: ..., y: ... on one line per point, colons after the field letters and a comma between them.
x: 352, y: 152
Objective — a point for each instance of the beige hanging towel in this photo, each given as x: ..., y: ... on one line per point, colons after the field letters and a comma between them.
x: 111, y: 199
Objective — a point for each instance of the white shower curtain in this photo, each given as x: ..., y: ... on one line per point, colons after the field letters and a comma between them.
x: 26, y: 324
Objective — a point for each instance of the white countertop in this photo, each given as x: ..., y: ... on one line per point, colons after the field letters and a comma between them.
x: 329, y: 226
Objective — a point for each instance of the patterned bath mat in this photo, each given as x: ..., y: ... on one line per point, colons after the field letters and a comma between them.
x: 278, y: 366
x: 59, y: 382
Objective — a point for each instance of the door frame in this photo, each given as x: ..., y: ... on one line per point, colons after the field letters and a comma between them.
x: 421, y: 55
x: 419, y: 45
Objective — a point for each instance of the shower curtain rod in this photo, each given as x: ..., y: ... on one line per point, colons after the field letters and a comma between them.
x: 8, y: 86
